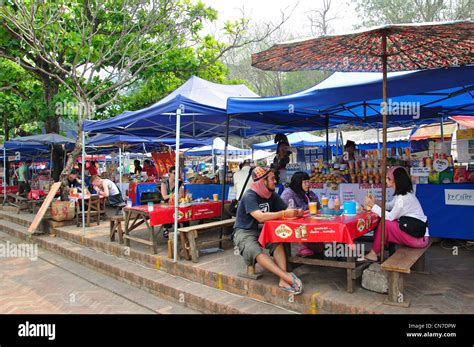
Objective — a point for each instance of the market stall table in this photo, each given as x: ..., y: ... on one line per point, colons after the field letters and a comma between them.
x: 93, y: 205
x: 320, y: 228
x: 164, y: 214
x: 9, y: 190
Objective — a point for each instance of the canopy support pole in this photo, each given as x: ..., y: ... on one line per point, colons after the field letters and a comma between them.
x: 378, y: 138
x: 327, y: 138
x: 120, y: 169
x: 83, y: 167
x: 442, y: 130
x: 337, y: 141
x: 384, y: 146
x: 342, y: 142
x: 51, y: 164
x: 176, y: 184
x: 225, y: 174
x: 213, y: 158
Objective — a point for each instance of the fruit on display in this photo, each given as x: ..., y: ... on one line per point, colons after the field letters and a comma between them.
x: 200, y: 179
x: 325, y: 173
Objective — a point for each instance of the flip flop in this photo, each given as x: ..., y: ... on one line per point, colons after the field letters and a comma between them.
x: 365, y: 260
x: 297, y: 284
x: 289, y: 290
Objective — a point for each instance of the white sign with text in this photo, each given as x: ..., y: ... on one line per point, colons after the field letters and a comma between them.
x: 462, y: 197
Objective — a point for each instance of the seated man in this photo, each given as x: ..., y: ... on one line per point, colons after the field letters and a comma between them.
x: 259, y: 204
x: 108, y: 189
x: 73, y: 181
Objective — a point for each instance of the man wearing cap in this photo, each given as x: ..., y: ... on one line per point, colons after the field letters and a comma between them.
x: 260, y: 204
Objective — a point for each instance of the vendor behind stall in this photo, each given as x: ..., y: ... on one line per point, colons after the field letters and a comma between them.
x: 72, y: 180
x: 93, y: 168
x: 137, y: 167
x: 151, y: 171
x: 350, y: 149
x: 282, y: 157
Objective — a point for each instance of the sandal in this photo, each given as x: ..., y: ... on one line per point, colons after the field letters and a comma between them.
x: 289, y: 290
x: 297, y: 284
x: 363, y: 259
x: 304, y: 252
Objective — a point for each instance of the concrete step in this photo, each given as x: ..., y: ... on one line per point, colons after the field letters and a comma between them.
x: 190, y: 294
x: 24, y: 219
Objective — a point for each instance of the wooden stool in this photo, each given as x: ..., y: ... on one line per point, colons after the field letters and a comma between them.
x: 249, y: 272
x: 116, y: 227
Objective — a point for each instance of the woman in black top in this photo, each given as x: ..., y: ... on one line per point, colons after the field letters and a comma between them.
x: 138, y: 168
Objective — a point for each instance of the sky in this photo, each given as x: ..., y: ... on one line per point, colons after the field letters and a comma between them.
x: 269, y: 11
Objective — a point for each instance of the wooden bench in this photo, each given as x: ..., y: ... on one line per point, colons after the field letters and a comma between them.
x: 188, y: 245
x: 116, y: 227
x: 398, y: 266
x: 18, y: 201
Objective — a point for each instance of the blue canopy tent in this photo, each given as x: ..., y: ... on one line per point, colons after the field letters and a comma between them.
x: 217, y: 148
x: 47, y: 140
x: 296, y: 140
x: 105, y: 143
x: 355, y: 98
x: 201, y: 108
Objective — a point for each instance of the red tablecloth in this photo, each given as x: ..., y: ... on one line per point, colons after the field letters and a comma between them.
x: 10, y: 189
x: 343, y: 229
x: 164, y: 213
x: 35, y: 194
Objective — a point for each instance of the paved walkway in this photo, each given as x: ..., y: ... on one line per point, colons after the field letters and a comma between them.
x: 55, y: 285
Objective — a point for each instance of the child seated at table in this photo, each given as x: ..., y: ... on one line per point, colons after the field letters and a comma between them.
x: 404, y: 204
x: 299, y: 192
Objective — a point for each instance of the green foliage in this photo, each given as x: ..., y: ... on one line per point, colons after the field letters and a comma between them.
x: 378, y: 12
x: 106, y: 36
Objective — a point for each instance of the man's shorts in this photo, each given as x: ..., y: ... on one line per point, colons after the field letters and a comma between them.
x: 249, y: 247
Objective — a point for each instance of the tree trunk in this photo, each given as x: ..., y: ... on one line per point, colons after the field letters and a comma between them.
x: 6, y: 130
x: 72, y: 156
x: 52, y: 126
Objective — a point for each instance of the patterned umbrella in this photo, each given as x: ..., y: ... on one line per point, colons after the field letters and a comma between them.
x: 408, y: 47
x: 400, y: 47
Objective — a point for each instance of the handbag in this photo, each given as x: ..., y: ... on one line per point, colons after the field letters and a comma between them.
x: 234, y: 204
x: 412, y: 226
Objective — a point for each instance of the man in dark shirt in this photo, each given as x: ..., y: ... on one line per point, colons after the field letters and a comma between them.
x: 73, y: 181
x: 260, y: 204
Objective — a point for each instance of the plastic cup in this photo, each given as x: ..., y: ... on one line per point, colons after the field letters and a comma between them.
x: 324, y: 201
x: 215, y: 197
x: 313, y: 208
x: 150, y: 207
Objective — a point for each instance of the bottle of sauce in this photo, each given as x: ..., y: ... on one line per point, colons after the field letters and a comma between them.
x: 331, y: 203
x: 337, y: 204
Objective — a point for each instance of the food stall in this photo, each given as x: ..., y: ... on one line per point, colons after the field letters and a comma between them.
x: 442, y: 179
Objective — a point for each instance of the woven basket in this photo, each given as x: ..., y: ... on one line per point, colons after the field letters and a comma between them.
x: 62, y: 210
